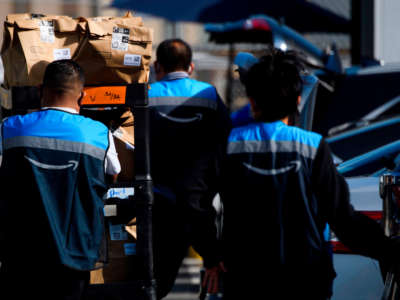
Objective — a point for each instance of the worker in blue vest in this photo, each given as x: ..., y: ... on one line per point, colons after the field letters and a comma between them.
x: 53, y: 177
x: 281, y: 189
x: 244, y: 116
x: 189, y: 129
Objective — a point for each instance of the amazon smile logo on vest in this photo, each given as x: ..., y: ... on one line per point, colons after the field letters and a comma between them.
x: 71, y: 163
x: 293, y: 165
x: 198, y: 117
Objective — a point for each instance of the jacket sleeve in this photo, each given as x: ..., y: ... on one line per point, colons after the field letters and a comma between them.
x: 201, y: 214
x: 1, y: 143
x: 360, y: 233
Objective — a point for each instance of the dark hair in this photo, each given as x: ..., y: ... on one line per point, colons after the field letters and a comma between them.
x: 274, y: 83
x: 59, y: 75
x: 174, y: 54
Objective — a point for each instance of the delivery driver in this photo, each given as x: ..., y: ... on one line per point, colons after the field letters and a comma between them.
x: 190, y: 126
x: 281, y: 188
x: 52, y: 182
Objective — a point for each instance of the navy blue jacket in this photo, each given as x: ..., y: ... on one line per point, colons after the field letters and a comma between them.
x: 281, y: 189
x: 189, y: 130
x: 52, y: 179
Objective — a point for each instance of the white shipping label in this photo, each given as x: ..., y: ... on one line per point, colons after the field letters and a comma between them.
x: 46, y: 31
x: 118, y: 233
x: 64, y: 53
x: 120, y: 39
x: 121, y: 193
x: 132, y: 60
x: 110, y: 210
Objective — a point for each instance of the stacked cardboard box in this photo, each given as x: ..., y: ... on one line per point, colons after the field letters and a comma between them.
x: 111, y: 50
x: 120, y: 233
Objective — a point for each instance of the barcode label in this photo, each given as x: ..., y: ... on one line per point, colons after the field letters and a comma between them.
x: 120, y: 39
x: 132, y: 60
x: 64, y: 53
x: 46, y: 31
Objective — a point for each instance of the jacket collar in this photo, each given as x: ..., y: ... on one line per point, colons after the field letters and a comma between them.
x: 175, y: 75
x: 62, y: 108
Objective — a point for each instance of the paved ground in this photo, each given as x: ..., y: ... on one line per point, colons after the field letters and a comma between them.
x: 187, y: 285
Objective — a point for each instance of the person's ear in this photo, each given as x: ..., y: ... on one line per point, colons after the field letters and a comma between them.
x: 191, y: 68
x: 157, y: 67
x: 298, y: 100
x: 40, y: 94
x: 40, y: 90
x: 81, y: 96
x: 252, y: 103
x: 253, y: 108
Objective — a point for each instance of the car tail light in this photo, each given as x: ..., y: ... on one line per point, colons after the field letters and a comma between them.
x: 374, y: 215
x: 257, y: 24
x: 339, y: 247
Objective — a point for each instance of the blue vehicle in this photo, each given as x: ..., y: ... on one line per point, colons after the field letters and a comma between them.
x: 358, y: 111
x: 373, y: 163
x: 365, y: 137
x: 359, y: 277
x: 361, y: 90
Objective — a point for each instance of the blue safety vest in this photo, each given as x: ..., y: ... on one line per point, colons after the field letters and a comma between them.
x: 186, y: 126
x: 270, y: 194
x: 178, y: 90
x: 243, y: 117
x: 53, y: 179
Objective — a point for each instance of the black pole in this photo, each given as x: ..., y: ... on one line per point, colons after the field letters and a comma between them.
x: 362, y: 31
x: 144, y: 195
x: 229, y: 84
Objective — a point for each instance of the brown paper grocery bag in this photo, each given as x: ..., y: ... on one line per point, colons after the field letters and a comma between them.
x: 36, y: 43
x: 115, y: 51
x: 137, y: 20
x: 8, y: 36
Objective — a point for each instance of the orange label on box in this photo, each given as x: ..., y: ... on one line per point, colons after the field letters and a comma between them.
x: 104, y: 95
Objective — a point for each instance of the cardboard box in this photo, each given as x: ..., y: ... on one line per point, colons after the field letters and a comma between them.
x: 37, y: 42
x: 115, y: 51
x: 122, y: 263
x: 124, y: 140
x: 5, y: 97
x: 125, y: 144
x: 126, y: 158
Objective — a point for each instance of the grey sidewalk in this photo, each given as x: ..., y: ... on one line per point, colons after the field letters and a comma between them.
x: 187, y: 284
